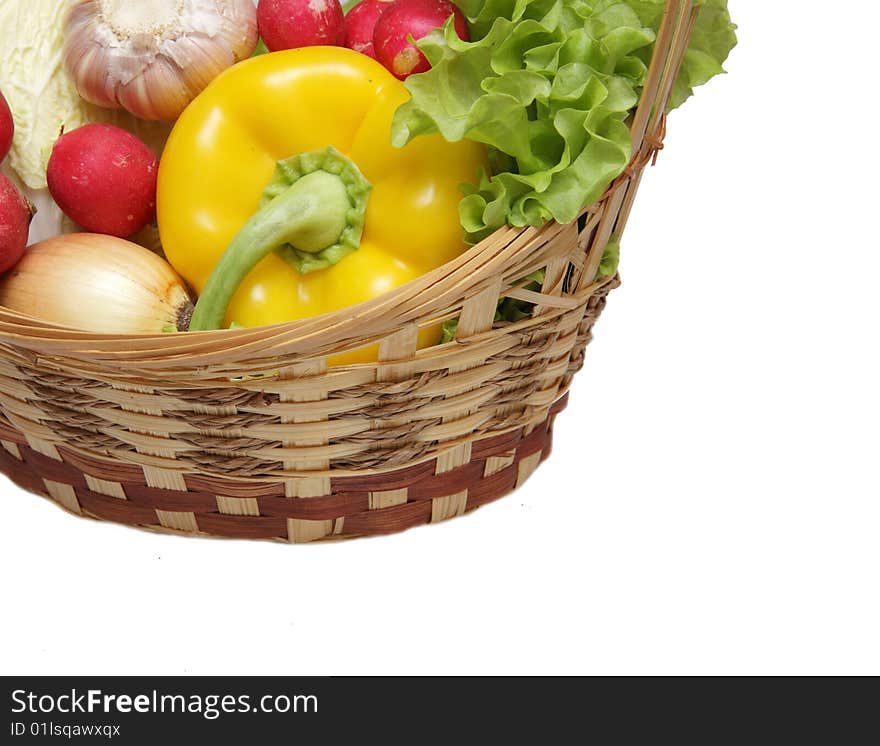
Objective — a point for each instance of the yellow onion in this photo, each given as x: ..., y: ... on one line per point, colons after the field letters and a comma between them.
x: 153, y: 57
x: 99, y: 284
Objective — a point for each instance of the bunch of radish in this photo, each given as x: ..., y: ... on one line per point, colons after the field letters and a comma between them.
x: 382, y: 29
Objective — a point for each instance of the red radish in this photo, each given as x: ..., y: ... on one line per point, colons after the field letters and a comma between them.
x: 360, y: 23
x: 291, y: 24
x: 104, y: 179
x: 7, y: 128
x: 415, y: 18
x: 15, y: 219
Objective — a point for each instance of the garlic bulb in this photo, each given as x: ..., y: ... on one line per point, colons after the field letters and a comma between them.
x: 43, y: 98
x: 152, y: 57
x: 98, y: 284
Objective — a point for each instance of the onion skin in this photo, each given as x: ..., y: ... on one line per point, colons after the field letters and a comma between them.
x: 97, y: 283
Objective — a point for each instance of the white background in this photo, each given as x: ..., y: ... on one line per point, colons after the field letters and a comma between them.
x: 711, y: 506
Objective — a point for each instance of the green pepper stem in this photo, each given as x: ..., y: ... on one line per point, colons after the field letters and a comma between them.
x: 310, y: 215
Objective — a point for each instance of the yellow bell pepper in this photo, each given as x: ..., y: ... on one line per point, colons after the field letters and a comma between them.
x: 227, y: 146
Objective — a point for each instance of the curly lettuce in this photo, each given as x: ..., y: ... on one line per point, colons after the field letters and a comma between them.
x: 713, y: 38
x: 548, y: 86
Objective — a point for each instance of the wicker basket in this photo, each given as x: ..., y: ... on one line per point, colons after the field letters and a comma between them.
x: 250, y: 434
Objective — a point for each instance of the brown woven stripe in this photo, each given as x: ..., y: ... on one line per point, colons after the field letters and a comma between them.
x: 20, y: 473
x: 232, y: 487
x: 112, y: 509
x: 7, y: 432
x: 111, y: 471
x: 315, y: 508
x: 47, y: 468
x: 492, y: 487
x: 559, y: 405
x: 394, y: 480
x: 533, y: 442
x: 388, y: 520
x: 496, y: 446
x: 448, y: 483
x: 242, y: 527
x: 172, y: 500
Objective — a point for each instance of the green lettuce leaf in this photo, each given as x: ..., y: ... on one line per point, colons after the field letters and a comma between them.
x: 610, y: 257
x: 713, y: 38
x: 547, y: 83
x: 548, y: 86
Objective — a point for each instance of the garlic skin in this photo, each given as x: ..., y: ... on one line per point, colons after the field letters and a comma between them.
x: 97, y: 283
x: 153, y: 57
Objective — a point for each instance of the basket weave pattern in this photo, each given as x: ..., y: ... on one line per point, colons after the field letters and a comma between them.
x: 256, y: 433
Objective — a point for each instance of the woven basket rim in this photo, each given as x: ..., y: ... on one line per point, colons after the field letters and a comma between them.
x: 342, y: 318
x: 309, y: 337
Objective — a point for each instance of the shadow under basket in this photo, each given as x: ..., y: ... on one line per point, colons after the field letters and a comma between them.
x: 271, y: 433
